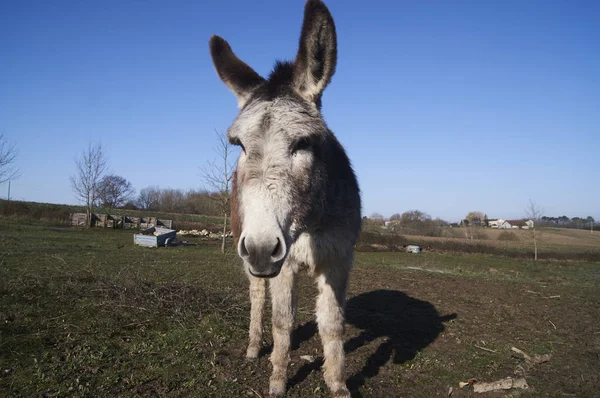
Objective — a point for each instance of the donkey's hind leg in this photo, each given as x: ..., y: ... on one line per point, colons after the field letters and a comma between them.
x: 283, y: 298
x: 257, y: 304
x: 330, y: 318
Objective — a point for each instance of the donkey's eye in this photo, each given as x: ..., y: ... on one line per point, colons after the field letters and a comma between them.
x: 303, y: 144
x: 236, y: 141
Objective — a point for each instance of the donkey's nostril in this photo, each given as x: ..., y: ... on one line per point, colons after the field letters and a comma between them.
x: 275, y: 252
x: 262, y: 252
x: 243, y: 249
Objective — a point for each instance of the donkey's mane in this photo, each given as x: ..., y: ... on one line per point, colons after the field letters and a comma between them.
x: 282, y: 74
x: 279, y: 83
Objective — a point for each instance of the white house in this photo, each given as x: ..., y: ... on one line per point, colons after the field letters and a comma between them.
x: 495, y: 223
x: 520, y: 224
x: 499, y: 223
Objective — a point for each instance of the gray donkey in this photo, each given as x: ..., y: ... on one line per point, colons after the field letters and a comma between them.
x: 295, y: 200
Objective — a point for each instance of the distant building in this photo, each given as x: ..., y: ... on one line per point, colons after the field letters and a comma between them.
x: 499, y: 224
x: 521, y: 224
x: 495, y: 223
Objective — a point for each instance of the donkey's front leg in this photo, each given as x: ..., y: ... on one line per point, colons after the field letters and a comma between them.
x: 330, y: 318
x: 257, y: 304
x: 283, y: 298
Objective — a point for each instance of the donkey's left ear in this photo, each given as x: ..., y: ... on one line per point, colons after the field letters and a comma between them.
x: 317, y: 54
x: 234, y: 72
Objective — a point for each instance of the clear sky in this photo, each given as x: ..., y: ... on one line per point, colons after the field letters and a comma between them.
x: 443, y: 106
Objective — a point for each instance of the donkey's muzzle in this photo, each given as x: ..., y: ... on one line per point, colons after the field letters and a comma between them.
x: 263, y: 254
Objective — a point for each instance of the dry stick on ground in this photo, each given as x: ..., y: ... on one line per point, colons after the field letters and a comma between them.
x: 508, y: 382
x: 523, y: 354
x: 504, y: 384
x: 485, y: 349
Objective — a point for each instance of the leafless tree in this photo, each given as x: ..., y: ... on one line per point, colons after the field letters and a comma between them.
x: 472, y: 222
x: 591, y: 221
x: 396, y: 217
x: 217, y: 175
x: 476, y: 218
x: 534, y: 213
x: 90, y: 169
x: 8, y: 154
x: 149, y: 198
x: 115, y: 191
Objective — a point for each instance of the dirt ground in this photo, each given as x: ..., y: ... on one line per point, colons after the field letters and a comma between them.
x: 415, y: 334
x: 85, y: 313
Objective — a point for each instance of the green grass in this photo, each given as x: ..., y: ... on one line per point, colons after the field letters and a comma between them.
x: 85, y: 310
x: 87, y: 313
x: 483, y: 266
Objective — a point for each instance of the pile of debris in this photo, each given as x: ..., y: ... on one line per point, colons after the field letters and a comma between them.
x: 204, y: 234
x: 518, y: 380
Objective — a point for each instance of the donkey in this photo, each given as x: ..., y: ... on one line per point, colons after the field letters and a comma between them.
x: 295, y: 200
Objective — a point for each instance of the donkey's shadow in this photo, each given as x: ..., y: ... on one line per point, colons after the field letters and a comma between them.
x: 406, y: 324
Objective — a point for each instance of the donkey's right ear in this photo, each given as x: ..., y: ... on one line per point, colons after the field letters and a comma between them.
x: 237, y: 75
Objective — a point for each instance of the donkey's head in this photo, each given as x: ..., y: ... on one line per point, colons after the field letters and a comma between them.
x: 280, y: 178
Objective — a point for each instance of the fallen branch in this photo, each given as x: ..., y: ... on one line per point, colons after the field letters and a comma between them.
x: 485, y: 349
x: 523, y: 354
x: 504, y: 384
x: 255, y: 392
x: 467, y: 383
x: 510, y: 382
x: 535, y: 360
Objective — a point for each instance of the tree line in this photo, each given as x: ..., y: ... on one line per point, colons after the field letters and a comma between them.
x: 94, y: 186
x: 566, y: 222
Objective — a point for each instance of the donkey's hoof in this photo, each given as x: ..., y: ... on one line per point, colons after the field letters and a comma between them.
x: 252, y: 353
x: 277, y: 388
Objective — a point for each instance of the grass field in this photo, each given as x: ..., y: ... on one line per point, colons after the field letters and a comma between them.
x: 549, y: 238
x: 86, y: 313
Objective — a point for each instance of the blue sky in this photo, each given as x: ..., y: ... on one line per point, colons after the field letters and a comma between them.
x: 443, y: 106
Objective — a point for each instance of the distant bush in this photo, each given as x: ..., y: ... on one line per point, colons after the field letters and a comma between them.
x: 61, y: 214
x: 479, y: 234
x: 371, y: 241
x: 37, y: 211
x: 508, y: 236
x: 374, y: 241
x: 473, y: 247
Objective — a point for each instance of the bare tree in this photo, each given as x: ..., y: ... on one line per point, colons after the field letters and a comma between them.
x: 217, y: 175
x: 115, y: 191
x: 149, y: 198
x: 8, y: 154
x: 396, y: 217
x: 474, y: 220
x: 534, y: 213
x: 90, y: 169
x: 377, y: 217
x: 591, y: 221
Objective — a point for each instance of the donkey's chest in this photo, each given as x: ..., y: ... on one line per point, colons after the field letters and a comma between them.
x: 302, y: 254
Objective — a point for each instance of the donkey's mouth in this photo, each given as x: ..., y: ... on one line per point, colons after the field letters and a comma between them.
x: 266, y: 275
